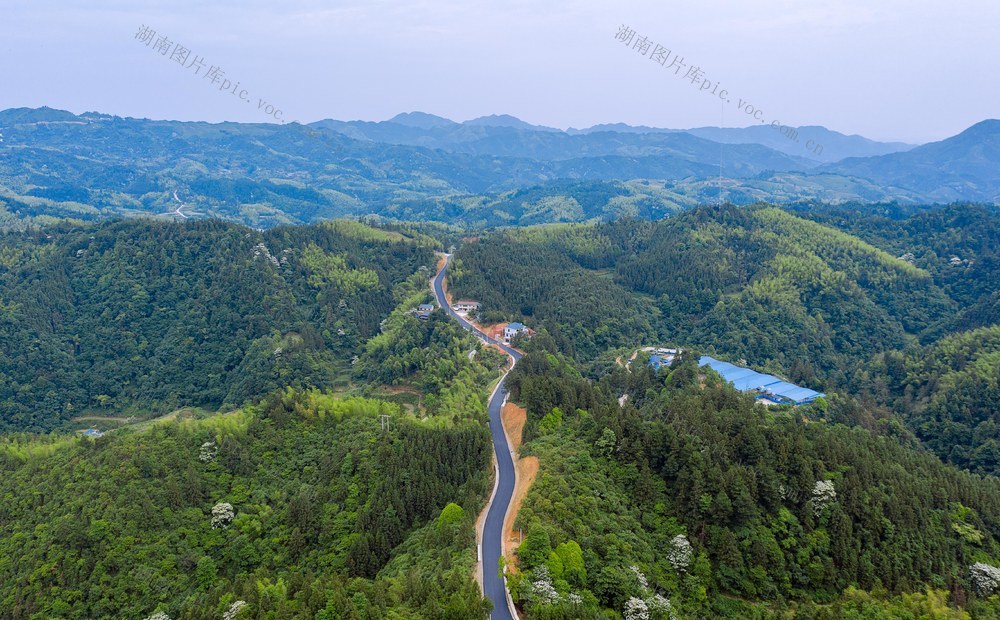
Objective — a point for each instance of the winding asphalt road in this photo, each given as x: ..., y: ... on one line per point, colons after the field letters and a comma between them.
x: 493, y: 585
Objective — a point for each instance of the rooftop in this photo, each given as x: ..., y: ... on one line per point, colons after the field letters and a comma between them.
x: 747, y: 380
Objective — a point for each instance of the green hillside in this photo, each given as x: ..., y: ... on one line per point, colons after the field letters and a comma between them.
x: 330, y: 517
x: 144, y: 317
x: 949, y: 393
x: 958, y: 244
x: 54, y: 164
x: 757, y: 283
x: 690, y: 501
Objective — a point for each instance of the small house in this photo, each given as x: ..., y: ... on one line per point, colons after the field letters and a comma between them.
x: 465, y: 305
x: 512, y: 330
x: 424, y: 311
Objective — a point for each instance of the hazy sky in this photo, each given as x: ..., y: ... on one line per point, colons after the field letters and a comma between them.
x: 913, y: 70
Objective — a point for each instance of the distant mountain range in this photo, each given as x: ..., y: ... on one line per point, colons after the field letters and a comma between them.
x: 508, y: 135
x: 836, y: 146
x: 488, y: 171
x: 962, y: 167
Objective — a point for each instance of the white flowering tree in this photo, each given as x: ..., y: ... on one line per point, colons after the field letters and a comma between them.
x: 651, y: 605
x: 542, y: 590
x: 783, y: 492
x: 158, y: 616
x: 823, y: 495
x: 985, y: 578
x: 659, y: 605
x: 680, y: 553
x: 207, y: 452
x: 636, y: 609
x: 222, y: 515
x: 234, y: 610
x: 640, y: 577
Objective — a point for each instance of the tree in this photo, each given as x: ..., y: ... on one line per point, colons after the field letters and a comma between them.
x: 551, y: 422
x: 606, y: 444
x: 536, y: 547
x: 206, y: 573
x: 571, y: 556
x: 451, y: 515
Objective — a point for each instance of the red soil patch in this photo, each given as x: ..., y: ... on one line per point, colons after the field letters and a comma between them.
x: 513, y: 418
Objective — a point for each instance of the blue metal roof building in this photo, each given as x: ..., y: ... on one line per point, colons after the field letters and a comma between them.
x: 660, y: 361
x: 766, y: 386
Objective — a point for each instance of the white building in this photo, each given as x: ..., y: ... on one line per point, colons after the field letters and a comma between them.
x: 512, y: 330
x: 465, y: 305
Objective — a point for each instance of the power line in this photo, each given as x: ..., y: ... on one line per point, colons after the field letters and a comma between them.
x: 722, y: 145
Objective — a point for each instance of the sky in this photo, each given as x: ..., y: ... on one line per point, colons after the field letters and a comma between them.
x: 913, y: 70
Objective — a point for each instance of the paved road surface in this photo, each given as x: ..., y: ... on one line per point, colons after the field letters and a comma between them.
x: 493, y: 530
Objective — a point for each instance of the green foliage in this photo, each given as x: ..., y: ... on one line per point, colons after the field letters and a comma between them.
x: 330, y: 270
x: 434, y: 356
x: 142, y: 317
x: 535, y: 549
x: 120, y: 526
x: 451, y: 515
x: 571, y: 562
x: 539, y: 277
x: 692, y: 457
x: 949, y: 393
x: 931, y: 604
x: 551, y: 422
x: 756, y: 283
x: 931, y: 238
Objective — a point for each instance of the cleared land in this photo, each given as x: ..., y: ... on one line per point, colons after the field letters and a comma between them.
x: 513, y: 418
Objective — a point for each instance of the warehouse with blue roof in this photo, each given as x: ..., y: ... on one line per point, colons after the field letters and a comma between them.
x: 767, y: 387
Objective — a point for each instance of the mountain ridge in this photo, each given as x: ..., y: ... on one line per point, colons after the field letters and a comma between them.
x: 54, y: 164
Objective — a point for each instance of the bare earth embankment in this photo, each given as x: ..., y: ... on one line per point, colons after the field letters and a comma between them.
x: 525, y: 468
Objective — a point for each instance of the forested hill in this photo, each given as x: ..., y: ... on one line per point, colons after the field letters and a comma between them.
x: 691, y: 501
x: 54, y: 164
x: 140, y: 316
x: 949, y: 393
x: 958, y: 244
x: 761, y: 284
x: 301, y: 507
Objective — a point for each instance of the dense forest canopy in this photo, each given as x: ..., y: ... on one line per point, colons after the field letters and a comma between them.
x: 143, y: 317
x: 659, y: 494
x: 302, y: 507
x: 760, y: 284
x: 692, y: 493
x: 959, y: 244
x: 949, y: 393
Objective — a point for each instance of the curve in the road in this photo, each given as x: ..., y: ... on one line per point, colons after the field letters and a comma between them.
x: 494, y: 586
